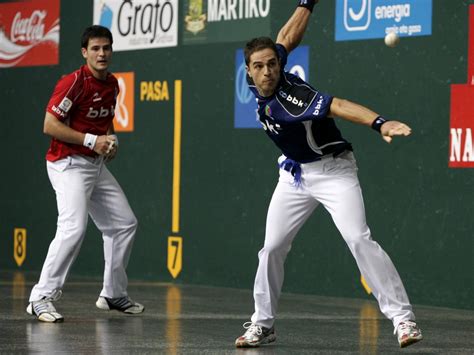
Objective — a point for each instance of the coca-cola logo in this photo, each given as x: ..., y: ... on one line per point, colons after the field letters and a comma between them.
x: 29, y: 33
x: 29, y: 29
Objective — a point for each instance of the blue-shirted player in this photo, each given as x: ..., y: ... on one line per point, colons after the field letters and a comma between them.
x: 317, y: 167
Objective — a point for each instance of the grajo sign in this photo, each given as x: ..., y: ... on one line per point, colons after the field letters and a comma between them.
x: 139, y: 24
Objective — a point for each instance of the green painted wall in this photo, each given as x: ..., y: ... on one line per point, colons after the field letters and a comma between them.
x: 419, y: 210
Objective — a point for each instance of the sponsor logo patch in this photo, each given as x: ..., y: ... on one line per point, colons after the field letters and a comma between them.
x: 268, y: 111
x: 65, y: 105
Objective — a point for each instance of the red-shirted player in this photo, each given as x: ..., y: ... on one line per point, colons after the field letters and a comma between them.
x: 79, y: 119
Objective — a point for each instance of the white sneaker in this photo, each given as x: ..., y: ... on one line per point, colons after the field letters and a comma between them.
x: 255, y: 335
x: 44, y: 309
x: 122, y: 304
x: 408, y: 333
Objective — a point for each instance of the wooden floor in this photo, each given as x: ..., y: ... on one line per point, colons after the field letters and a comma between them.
x: 186, y: 319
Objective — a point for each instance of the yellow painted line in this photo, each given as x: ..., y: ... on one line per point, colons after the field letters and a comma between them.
x: 173, y: 322
x: 176, y: 155
x: 366, y: 286
x: 369, y: 329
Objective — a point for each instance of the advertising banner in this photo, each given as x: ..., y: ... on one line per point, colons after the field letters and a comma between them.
x: 364, y: 19
x: 212, y: 21
x: 125, y: 106
x: 461, y: 153
x: 461, y: 128
x: 470, y: 54
x: 29, y: 33
x: 139, y: 24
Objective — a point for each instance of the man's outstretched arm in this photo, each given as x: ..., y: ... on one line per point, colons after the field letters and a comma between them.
x: 356, y: 113
x: 292, y: 32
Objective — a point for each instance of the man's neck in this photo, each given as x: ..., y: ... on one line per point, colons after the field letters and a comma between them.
x: 101, y: 75
x: 265, y: 93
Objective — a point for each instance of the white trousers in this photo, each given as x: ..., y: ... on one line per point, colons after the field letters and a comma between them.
x: 84, y: 186
x: 332, y: 182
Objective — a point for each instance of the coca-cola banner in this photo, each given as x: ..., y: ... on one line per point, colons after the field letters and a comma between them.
x: 29, y: 33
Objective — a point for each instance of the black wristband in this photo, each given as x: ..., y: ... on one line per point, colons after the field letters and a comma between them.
x: 378, y: 122
x: 309, y: 4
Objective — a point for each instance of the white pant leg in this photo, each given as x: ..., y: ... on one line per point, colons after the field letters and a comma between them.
x: 73, y: 180
x: 289, y: 208
x: 111, y: 212
x: 338, y: 189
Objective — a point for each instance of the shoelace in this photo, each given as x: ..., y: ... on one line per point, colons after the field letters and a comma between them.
x: 252, y: 329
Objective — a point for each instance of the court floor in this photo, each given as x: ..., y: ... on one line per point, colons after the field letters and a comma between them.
x: 186, y: 319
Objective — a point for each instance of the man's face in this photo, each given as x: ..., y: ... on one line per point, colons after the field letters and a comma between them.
x: 98, y: 55
x: 264, y: 69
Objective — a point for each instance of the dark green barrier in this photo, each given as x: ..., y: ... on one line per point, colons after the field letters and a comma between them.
x: 418, y: 209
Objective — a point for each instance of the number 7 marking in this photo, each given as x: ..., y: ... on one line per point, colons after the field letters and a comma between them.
x: 175, y: 255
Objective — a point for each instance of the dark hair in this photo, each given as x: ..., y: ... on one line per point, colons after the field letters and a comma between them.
x: 257, y: 44
x: 95, y: 31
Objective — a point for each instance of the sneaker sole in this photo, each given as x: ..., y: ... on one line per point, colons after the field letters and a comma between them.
x: 49, y: 319
x: 410, y: 341
x: 44, y: 317
x: 270, y: 339
x: 133, y: 311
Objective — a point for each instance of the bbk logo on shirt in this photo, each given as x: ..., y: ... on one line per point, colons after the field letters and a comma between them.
x: 102, y: 112
x: 272, y: 128
x: 292, y: 99
x: 317, y: 109
x: 58, y: 111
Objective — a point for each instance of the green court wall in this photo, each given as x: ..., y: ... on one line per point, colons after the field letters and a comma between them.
x: 418, y: 208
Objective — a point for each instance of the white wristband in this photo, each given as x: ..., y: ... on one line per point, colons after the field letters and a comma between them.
x: 89, y: 141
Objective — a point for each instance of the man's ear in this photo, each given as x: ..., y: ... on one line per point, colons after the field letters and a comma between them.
x: 84, y: 53
x: 248, y: 70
